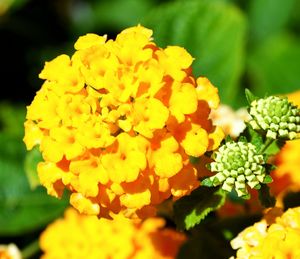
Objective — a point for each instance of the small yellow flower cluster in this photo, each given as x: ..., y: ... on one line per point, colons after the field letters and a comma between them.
x: 117, y: 122
x: 80, y: 236
x: 279, y: 239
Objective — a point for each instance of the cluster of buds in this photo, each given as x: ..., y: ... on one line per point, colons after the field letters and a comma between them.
x: 241, y: 164
x: 277, y: 116
x: 237, y: 164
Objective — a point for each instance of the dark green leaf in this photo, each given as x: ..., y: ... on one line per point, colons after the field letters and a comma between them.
x: 274, y: 66
x: 274, y: 148
x: 194, y: 160
x: 243, y: 139
x: 268, y: 179
x: 265, y: 197
x: 246, y: 196
x: 235, y: 224
x: 207, y: 182
x: 191, y: 210
x: 254, y: 137
x: 108, y: 15
x: 291, y: 200
x: 257, y: 187
x: 33, y: 157
x: 250, y: 96
x: 270, y: 168
x: 205, y: 244
x: 21, y: 210
x: 11, y: 119
x: 233, y: 197
x: 268, y: 17
x: 228, y: 138
x: 212, y: 31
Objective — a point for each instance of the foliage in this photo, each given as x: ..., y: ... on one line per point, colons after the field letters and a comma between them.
x: 235, y: 43
x: 191, y: 210
x: 21, y: 209
x: 201, y: 27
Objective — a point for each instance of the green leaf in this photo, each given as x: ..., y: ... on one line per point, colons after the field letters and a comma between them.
x: 212, y: 31
x: 268, y: 17
x: 246, y: 196
x: 254, y: 137
x: 265, y: 197
x: 250, y: 96
x: 194, y: 160
x: 12, y: 117
x: 236, y: 223
x: 207, y: 182
x: 228, y: 138
x: 108, y: 15
x: 205, y: 244
x: 33, y: 157
x: 274, y: 66
x: 191, y: 210
x: 274, y: 148
x: 21, y: 209
x: 268, y: 179
x: 242, y: 139
x: 291, y: 200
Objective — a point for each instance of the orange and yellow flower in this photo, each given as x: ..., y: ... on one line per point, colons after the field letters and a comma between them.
x: 82, y: 236
x: 117, y: 121
x: 276, y: 236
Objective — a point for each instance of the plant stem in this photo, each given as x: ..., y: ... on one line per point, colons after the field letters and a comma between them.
x: 268, y: 142
x: 30, y: 250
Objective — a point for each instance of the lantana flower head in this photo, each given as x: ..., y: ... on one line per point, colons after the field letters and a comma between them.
x: 81, y: 236
x: 276, y: 236
x: 275, y: 115
x: 117, y: 122
x: 237, y: 164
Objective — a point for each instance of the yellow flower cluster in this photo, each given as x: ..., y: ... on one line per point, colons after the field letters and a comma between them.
x: 117, y: 122
x: 276, y: 237
x: 80, y: 236
x: 286, y: 175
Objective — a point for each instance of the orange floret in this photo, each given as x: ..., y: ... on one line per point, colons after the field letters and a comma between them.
x: 78, y: 236
x: 117, y: 121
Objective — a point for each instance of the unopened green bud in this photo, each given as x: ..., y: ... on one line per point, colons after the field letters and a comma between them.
x: 243, y: 167
x: 276, y: 116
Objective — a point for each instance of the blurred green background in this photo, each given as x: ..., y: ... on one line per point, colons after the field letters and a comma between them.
x: 235, y: 43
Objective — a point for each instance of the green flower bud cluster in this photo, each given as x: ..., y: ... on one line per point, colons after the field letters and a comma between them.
x: 277, y: 116
x: 237, y: 164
